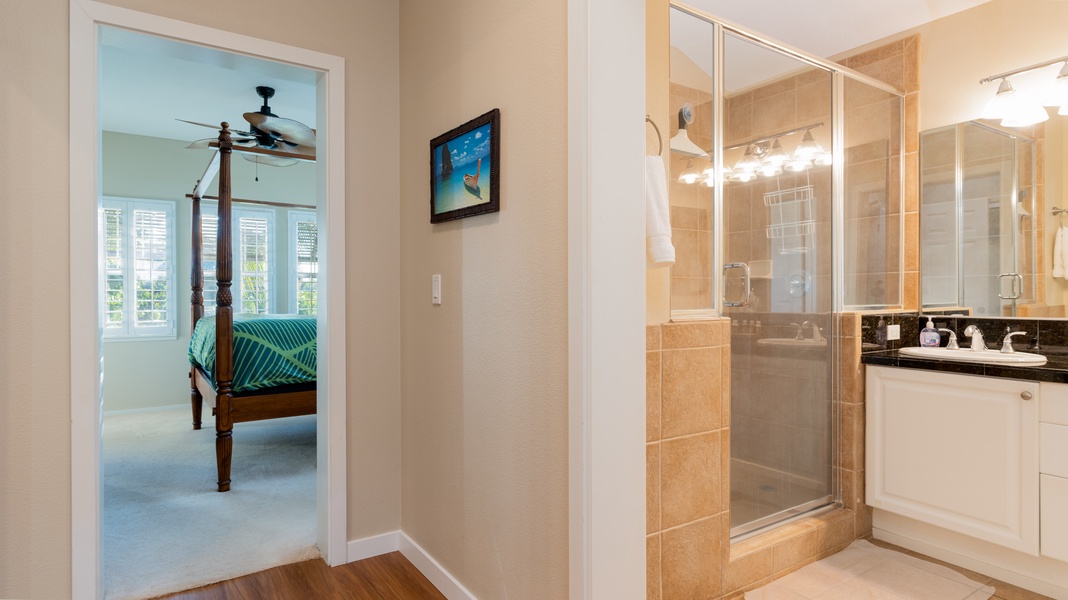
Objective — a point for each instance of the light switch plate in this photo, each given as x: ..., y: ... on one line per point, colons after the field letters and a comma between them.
x: 435, y: 289
x: 893, y: 332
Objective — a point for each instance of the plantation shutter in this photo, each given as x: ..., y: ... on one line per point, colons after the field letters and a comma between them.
x: 307, y: 266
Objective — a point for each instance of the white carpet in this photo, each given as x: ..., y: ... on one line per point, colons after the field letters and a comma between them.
x: 864, y: 571
x: 166, y: 529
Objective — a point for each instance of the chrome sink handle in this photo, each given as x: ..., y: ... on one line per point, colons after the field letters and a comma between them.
x: 952, y: 345
x: 978, y: 344
x: 1006, y: 344
x: 800, y: 331
x: 816, y: 337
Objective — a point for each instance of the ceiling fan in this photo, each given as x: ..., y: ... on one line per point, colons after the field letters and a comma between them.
x: 268, y: 130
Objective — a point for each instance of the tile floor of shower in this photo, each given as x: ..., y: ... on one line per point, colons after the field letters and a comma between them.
x: 757, y: 491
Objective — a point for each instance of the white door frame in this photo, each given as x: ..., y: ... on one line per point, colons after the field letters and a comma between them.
x: 85, y: 350
x: 606, y: 298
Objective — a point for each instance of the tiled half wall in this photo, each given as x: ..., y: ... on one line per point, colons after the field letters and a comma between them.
x: 690, y: 554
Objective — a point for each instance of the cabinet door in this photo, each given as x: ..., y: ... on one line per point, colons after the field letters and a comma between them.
x: 1055, y: 517
x: 956, y: 451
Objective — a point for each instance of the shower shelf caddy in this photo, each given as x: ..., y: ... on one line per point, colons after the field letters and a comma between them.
x: 792, y: 226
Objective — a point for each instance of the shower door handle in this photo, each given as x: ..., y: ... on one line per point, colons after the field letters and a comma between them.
x: 745, y: 293
x: 1016, y: 277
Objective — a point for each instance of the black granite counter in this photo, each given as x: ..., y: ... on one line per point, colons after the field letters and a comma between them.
x: 1055, y: 369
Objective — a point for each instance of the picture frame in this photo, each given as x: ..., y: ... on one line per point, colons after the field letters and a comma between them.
x: 465, y: 169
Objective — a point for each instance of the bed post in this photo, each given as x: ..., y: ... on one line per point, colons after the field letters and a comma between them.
x: 196, y: 300
x: 224, y: 319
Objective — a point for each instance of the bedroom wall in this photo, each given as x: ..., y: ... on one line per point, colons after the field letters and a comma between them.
x: 147, y: 374
x: 484, y: 375
x: 35, y: 502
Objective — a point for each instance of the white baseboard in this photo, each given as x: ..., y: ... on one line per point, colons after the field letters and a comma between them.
x: 430, y: 568
x: 374, y: 546
x: 433, y: 571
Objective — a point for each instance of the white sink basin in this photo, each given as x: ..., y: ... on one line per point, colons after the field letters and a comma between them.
x: 967, y: 355
x: 792, y: 343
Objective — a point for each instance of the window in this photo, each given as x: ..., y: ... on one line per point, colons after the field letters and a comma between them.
x: 303, y: 262
x: 138, y: 276
x: 252, y: 232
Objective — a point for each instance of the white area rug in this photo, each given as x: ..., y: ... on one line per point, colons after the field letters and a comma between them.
x: 864, y: 571
x: 166, y: 529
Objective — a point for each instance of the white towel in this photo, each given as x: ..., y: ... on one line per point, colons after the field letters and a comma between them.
x: 1058, y: 261
x: 657, y: 213
x: 1064, y: 250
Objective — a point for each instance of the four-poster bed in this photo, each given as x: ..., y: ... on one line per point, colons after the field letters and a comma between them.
x: 257, y: 393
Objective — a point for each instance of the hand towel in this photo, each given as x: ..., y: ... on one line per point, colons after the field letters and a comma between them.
x: 1064, y: 249
x: 1058, y: 259
x: 657, y: 213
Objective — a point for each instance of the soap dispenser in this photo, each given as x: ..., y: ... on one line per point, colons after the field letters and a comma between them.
x: 929, y: 336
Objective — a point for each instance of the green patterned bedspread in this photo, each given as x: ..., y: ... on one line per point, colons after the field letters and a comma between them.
x: 269, y: 350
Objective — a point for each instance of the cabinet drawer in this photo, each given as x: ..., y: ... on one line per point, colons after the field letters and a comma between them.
x: 1054, y: 517
x: 1053, y: 457
x: 1054, y: 403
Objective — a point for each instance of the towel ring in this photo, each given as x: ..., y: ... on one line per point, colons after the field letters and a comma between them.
x: 659, y: 138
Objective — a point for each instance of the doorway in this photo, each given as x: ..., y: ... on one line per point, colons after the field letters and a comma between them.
x: 88, y: 20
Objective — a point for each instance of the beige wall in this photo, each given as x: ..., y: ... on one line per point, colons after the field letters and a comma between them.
x: 484, y: 375
x: 145, y: 374
x: 35, y: 375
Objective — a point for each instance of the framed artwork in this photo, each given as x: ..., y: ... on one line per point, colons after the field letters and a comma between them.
x: 465, y: 171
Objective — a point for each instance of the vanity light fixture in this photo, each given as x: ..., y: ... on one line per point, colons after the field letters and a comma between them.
x: 808, y: 149
x: 766, y: 156
x: 1020, y: 109
x: 689, y: 174
x: 749, y: 162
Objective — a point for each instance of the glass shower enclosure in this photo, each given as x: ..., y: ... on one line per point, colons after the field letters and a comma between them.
x: 787, y: 195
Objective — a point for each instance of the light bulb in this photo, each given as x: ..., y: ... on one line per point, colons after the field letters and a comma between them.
x: 808, y: 148
x: 1023, y: 112
x: 770, y: 170
x: 709, y: 181
x: 743, y: 176
x: 797, y: 165
x: 748, y: 163
x: 776, y: 156
x: 824, y: 159
x: 689, y: 174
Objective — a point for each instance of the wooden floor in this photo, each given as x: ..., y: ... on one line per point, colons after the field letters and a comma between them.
x: 386, y: 577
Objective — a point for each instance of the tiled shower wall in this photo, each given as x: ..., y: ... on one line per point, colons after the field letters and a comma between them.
x: 690, y: 555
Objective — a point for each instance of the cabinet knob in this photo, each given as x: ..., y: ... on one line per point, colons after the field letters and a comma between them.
x: 1026, y: 395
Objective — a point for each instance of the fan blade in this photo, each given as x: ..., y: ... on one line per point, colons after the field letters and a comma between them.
x: 206, y: 142
x: 285, y: 129
x: 273, y: 161
x: 217, y: 127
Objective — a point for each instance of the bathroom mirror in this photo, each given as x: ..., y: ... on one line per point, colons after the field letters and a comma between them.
x: 978, y: 218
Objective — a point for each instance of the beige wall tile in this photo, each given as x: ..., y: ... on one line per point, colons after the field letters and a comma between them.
x: 837, y: 530
x: 747, y: 569
x: 689, y: 559
x: 690, y: 478
x: 794, y: 551
x: 652, y: 567
x: 652, y: 488
x: 652, y: 337
x: 703, y: 334
x: 652, y: 396
x: 848, y: 418
x: 691, y: 392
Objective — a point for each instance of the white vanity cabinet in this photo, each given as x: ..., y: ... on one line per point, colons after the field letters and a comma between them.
x: 957, y: 451
x: 1053, y: 465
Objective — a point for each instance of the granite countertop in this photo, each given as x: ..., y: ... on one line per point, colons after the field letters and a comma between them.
x: 1055, y: 369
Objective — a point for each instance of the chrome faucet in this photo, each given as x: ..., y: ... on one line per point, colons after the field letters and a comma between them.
x: 816, y: 337
x: 800, y: 331
x: 1006, y: 344
x: 978, y: 344
x: 952, y: 345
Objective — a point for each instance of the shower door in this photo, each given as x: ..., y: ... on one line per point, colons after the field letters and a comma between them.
x: 777, y: 226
